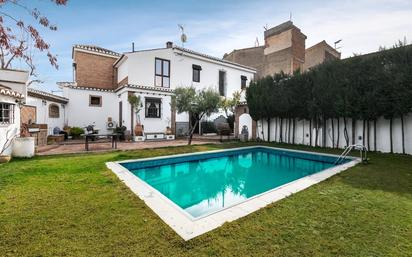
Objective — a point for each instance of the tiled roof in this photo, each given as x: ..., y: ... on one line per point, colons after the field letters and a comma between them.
x: 97, y: 49
x: 8, y: 92
x: 39, y: 93
x: 212, y: 57
x: 74, y: 86
x: 150, y: 88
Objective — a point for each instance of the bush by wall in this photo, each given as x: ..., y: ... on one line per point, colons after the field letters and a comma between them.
x: 358, y: 88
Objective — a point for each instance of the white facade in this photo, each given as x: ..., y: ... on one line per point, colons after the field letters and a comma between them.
x: 42, y: 102
x: 81, y: 114
x: 12, y: 91
x: 139, y: 69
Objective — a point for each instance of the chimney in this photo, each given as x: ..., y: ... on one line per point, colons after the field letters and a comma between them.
x: 169, y: 44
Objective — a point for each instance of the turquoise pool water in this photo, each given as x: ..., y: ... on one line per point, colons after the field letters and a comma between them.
x: 205, y: 183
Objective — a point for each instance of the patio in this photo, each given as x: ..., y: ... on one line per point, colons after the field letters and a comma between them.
x: 78, y: 146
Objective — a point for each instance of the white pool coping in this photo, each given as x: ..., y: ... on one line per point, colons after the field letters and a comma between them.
x: 188, y: 227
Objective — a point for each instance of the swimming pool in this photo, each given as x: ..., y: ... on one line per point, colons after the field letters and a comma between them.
x: 195, y: 187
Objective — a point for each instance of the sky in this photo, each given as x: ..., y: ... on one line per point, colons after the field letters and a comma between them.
x: 212, y: 27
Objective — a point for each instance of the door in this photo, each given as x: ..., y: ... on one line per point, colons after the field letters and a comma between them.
x: 120, y: 113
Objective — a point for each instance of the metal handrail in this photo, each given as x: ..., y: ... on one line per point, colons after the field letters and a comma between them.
x: 362, y: 149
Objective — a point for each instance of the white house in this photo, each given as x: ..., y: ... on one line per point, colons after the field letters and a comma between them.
x: 12, y: 95
x: 103, y: 80
x: 45, y: 108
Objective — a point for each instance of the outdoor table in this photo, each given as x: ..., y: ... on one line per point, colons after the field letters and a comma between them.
x: 114, y: 138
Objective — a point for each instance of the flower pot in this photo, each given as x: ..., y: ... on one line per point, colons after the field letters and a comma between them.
x: 5, y: 158
x: 23, y: 147
x: 170, y: 137
x: 138, y: 138
x: 138, y: 130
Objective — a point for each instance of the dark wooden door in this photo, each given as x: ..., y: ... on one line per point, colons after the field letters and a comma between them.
x: 120, y: 113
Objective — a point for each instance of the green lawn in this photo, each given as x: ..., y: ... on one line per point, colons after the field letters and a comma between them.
x: 74, y: 206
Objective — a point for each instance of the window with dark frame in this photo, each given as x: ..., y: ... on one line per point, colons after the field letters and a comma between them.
x: 54, y: 111
x: 196, y: 72
x: 95, y: 100
x: 6, y: 113
x: 243, y: 82
x: 222, y: 78
x: 162, y: 72
x: 153, y: 107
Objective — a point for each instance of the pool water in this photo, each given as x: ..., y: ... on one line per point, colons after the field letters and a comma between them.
x: 205, y: 183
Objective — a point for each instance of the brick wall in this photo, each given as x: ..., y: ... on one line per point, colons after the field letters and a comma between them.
x: 251, y: 57
x: 298, y: 49
x: 317, y: 54
x: 93, y: 70
x: 28, y: 113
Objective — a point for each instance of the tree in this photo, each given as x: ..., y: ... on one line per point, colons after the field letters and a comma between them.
x: 357, y: 88
x: 198, y: 103
x: 261, y: 100
x: 137, y: 105
x: 228, y: 105
x: 18, y: 36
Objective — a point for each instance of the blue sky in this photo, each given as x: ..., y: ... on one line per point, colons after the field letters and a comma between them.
x: 215, y: 27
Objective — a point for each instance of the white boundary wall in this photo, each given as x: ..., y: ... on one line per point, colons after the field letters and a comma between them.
x: 382, y: 133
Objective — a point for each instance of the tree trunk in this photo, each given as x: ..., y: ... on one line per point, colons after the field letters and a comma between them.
x: 353, y: 131
x: 316, y: 131
x: 374, y: 135
x: 403, y: 135
x: 276, y: 129
x: 363, y: 132
x: 324, y: 131
x: 303, y: 131
x: 310, y: 132
x: 338, y: 135
x: 289, y: 123
x: 192, y: 130
x: 333, y: 133
x: 293, y: 131
x: 345, y: 131
x: 390, y: 133
x: 280, y: 130
x: 268, y: 121
x: 368, y: 135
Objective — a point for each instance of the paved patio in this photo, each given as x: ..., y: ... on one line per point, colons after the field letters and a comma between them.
x: 106, y: 146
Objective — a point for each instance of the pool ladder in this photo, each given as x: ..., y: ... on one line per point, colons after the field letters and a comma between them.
x: 362, y: 149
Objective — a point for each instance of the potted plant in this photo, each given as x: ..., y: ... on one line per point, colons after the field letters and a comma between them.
x: 169, y: 131
x: 4, y: 157
x: 76, y: 132
x: 24, y: 146
x: 136, y: 103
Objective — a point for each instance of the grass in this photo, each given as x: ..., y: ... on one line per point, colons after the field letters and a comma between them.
x: 73, y: 206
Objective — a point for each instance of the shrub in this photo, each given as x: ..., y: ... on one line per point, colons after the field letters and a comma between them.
x: 76, y: 132
x: 208, y: 127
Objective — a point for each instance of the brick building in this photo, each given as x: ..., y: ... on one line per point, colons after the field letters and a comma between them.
x: 284, y: 50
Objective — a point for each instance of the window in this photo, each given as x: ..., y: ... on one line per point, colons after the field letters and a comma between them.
x: 54, y: 111
x: 243, y: 83
x: 162, y: 73
x: 196, y: 73
x: 95, y: 100
x: 222, y: 82
x: 6, y: 113
x: 152, y: 107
